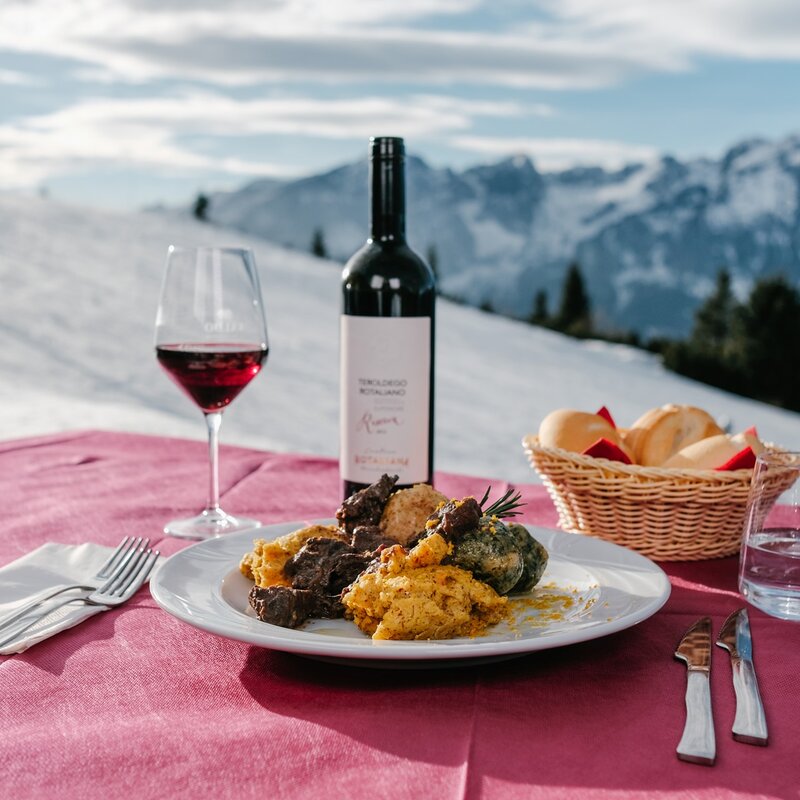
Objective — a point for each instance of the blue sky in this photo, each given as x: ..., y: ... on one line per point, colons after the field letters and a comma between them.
x: 125, y: 103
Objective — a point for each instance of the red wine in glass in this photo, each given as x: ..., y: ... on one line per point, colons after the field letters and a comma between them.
x: 212, y: 374
x: 211, y: 339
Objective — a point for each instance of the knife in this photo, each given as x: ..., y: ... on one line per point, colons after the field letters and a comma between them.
x: 697, y: 743
x: 749, y: 724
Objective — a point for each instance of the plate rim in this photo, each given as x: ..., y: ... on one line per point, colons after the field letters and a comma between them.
x: 346, y: 649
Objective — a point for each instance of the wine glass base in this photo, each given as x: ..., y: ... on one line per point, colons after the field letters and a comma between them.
x: 209, y: 525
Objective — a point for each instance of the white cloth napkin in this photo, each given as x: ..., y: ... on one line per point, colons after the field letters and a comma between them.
x: 36, y: 574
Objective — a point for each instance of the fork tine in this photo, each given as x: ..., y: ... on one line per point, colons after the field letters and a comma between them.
x: 124, y: 547
x: 127, y: 567
x: 134, y: 576
x: 119, y: 570
x: 141, y: 575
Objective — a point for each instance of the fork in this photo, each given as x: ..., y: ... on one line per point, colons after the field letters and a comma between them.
x: 116, y: 590
x: 114, y: 565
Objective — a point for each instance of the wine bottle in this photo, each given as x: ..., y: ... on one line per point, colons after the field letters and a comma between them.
x: 387, y: 341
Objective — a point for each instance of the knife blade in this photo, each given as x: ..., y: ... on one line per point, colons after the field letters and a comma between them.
x: 749, y: 724
x: 697, y: 744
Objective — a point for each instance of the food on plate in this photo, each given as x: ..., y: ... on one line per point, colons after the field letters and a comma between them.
x: 308, y: 584
x: 365, y: 507
x: 661, y: 432
x: 290, y: 608
x: 407, y: 511
x: 578, y: 431
x: 718, y: 452
x: 534, y: 558
x: 490, y: 552
x: 481, y: 541
x: 411, y: 594
x: 264, y: 565
x: 396, y: 572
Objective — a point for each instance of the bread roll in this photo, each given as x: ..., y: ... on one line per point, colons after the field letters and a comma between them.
x: 660, y: 433
x: 576, y: 430
x: 713, y: 452
x: 407, y: 510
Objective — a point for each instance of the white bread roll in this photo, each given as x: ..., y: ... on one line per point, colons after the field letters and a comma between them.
x: 713, y: 452
x: 576, y: 430
x: 662, y: 432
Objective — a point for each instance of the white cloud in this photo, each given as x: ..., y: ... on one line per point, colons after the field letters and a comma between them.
x: 557, y: 154
x: 360, y: 47
x: 763, y: 29
x: 146, y: 132
x: 250, y: 42
x: 558, y: 44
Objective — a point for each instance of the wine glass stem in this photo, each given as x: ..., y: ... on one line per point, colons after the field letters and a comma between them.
x: 213, y: 421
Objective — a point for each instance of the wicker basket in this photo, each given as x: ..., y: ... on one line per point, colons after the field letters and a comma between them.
x: 666, y: 514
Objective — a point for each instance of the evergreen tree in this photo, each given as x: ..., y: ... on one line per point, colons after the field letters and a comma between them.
x: 766, y: 341
x: 574, y: 315
x: 707, y: 354
x: 200, y: 208
x: 714, y: 318
x: 748, y: 348
x: 318, y: 244
x: 540, y: 314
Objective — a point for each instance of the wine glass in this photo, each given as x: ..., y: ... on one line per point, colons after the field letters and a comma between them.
x: 211, y: 338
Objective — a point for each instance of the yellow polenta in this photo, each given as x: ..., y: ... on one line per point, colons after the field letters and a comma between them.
x: 411, y: 595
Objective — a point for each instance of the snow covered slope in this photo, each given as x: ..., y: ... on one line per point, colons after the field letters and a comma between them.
x: 80, y: 288
x: 650, y: 238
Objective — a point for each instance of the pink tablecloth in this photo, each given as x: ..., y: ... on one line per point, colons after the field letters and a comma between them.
x: 135, y: 703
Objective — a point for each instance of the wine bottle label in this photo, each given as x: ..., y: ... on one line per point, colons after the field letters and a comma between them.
x: 385, y: 398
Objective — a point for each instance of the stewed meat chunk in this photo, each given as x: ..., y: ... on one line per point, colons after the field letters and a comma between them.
x: 326, y: 566
x: 457, y: 517
x: 368, y: 538
x: 290, y: 608
x: 366, y: 506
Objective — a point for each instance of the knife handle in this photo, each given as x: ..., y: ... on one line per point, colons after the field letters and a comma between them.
x: 697, y: 743
x: 749, y: 724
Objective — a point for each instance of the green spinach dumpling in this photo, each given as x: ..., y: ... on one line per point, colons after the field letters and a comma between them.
x: 534, y: 557
x: 491, y: 553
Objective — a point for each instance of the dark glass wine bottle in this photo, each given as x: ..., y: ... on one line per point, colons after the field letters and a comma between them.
x: 387, y: 341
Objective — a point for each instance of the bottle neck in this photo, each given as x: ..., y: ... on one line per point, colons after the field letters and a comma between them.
x: 388, y: 195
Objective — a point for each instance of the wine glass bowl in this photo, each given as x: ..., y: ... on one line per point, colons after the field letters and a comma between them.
x: 211, y: 339
x: 214, y: 375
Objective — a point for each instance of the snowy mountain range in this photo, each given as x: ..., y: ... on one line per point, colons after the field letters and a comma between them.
x: 650, y: 238
x: 80, y: 289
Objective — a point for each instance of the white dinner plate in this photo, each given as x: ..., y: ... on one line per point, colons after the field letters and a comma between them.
x: 591, y: 588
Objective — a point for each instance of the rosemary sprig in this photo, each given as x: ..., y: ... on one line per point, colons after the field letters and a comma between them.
x: 504, y: 506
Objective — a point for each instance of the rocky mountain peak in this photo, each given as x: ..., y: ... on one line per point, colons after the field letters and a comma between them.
x: 650, y: 237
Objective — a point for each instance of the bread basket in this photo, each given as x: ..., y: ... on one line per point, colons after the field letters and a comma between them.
x: 666, y: 514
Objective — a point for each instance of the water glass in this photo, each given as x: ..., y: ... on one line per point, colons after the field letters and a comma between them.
x: 769, y: 569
